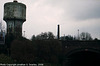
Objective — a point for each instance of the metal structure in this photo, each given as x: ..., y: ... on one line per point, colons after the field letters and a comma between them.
x: 14, y: 15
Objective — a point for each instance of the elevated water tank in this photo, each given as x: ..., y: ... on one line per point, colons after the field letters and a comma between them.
x: 14, y: 15
x: 14, y: 10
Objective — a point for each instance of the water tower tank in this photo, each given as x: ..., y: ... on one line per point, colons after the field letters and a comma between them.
x: 14, y: 10
x: 14, y: 15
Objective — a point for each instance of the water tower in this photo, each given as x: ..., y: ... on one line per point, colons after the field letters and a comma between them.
x: 15, y: 16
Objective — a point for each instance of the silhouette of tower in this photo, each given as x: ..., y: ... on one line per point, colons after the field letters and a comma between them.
x: 14, y: 15
x: 58, y: 33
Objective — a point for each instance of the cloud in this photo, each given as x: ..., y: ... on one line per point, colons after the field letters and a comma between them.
x: 83, y: 10
x: 41, y: 18
x: 45, y: 15
x: 77, y: 9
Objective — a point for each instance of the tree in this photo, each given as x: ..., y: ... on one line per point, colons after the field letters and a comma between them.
x: 43, y: 36
x: 2, y: 26
x: 50, y: 35
x: 48, y: 51
x: 85, y: 36
x: 96, y: 39
x: 23, y: 51
x: 69, y: 37
x: 33, y: 37
x: 5, y: 59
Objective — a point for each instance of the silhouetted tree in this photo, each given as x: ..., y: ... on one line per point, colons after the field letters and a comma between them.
x: 2, y: 26
x: 48, y: 51
x: 23, y: 51
x: 69, y: 37
x: 43, y: 36
x: 5, y: 59
x: 85, y: 36
x: 96, y: 39
x: 50, y: 35
x: 33, y: 37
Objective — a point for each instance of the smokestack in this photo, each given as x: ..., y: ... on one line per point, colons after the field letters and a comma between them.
x: 58, y: 34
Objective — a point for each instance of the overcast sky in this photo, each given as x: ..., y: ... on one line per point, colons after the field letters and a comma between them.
x: 45, y: 15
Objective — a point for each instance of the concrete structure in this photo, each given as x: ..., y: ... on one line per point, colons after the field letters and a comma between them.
x: 14, y: 15
x: 81, y: 53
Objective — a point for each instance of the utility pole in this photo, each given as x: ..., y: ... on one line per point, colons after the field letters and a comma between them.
x: 78, y: 35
